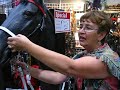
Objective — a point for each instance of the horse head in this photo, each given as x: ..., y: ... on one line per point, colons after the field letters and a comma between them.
x: 32, y: 19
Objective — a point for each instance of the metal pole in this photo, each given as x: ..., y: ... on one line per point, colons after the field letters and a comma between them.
x: 60, y: 4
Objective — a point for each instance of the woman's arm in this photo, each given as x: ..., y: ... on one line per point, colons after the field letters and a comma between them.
x: 47, y: 76
x: 86, y: 67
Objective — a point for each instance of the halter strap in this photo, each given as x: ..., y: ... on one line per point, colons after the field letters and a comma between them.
x: 32, y: 1
x: 7, y: 31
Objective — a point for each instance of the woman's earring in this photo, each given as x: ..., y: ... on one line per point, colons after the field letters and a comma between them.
x: 99, y: 43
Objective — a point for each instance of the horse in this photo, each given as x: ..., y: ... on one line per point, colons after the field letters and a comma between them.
x: 32, y: 19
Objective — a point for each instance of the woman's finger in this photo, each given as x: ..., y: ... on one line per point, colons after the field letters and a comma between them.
x: 13, y: 50
x: 9, y: 46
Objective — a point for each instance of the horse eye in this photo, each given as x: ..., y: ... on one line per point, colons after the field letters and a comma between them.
x: 28, y: 13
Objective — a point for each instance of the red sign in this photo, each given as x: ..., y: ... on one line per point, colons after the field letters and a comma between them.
x: 62, y: 21
x: 62, y: 15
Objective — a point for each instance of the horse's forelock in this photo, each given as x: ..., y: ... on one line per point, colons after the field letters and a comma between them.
x: 39, y: 2
x: 23, y: 0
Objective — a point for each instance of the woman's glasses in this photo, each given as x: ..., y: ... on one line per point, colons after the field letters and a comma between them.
x: 87, y: 28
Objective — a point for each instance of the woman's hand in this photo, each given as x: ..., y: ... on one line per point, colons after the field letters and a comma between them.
x: 18, y: 43
x: 25, y: 67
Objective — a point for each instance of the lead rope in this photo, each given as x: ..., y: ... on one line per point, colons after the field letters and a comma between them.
x: 21, y: 73
x: 28, y: 76
x: 7, y: 31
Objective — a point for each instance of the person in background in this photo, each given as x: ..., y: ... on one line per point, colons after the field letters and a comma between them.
x: 117, y: 31
x: 97, y: 67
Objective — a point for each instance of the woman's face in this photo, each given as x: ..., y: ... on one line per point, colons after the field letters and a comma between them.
x: 88, y: 35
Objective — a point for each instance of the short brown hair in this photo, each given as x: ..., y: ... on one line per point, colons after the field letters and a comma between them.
x: 100, y: 18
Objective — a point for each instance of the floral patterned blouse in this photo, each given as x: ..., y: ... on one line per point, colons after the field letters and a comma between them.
x: 106, y: 55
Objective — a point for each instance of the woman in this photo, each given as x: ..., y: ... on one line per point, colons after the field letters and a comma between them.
x: 98, y: 67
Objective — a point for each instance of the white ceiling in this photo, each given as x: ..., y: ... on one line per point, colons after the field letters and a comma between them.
x: 109, y: 2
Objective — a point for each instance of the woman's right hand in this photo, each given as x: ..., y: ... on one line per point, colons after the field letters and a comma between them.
x: 18, y: 43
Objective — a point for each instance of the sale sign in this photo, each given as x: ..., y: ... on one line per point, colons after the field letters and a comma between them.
x: 62, y: 21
